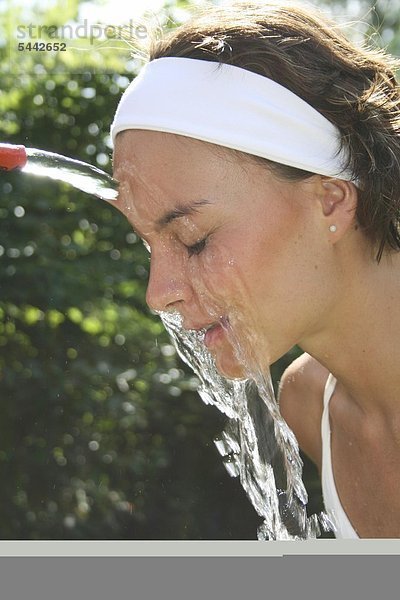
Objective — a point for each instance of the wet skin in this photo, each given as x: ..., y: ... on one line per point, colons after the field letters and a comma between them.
x: 232, y: 247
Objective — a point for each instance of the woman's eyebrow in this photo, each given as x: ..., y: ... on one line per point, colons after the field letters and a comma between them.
x: 181, y: 211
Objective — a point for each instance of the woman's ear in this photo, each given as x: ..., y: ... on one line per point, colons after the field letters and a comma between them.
x: 339, y: 203
x: 338, y: 194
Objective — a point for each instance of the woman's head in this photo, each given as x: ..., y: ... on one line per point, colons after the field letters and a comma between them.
x: 355, y: 88
x: 246, y: 242
x: 233, y: 246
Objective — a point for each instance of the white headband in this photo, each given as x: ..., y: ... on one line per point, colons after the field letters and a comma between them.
x: 232, y: 107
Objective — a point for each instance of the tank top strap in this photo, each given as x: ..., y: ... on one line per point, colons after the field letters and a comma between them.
x: 329, y: 389
x: 333, y: 506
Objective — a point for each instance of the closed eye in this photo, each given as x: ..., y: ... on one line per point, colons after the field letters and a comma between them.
x: 196, y: 248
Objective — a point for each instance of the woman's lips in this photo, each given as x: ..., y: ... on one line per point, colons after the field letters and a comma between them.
x: 213, y: 335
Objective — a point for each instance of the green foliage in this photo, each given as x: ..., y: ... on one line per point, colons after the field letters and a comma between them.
x: 377, y: 21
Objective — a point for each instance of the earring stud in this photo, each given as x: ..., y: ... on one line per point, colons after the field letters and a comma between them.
x: 333, y: 228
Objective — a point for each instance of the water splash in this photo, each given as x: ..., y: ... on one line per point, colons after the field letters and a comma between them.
x: 257, y: 446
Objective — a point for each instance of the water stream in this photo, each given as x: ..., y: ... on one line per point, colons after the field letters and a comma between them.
x: 256, y: 445
x: 81, y: 175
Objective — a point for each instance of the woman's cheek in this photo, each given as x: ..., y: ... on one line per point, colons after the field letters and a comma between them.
x: 216, y: 281
x: 219, y: 273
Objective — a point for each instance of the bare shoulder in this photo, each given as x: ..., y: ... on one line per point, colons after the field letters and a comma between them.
x: 300, y: 399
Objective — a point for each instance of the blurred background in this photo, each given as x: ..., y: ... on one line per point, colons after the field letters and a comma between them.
x: 102, y: 433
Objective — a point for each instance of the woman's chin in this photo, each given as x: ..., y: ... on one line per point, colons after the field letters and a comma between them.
x: 229, y: 367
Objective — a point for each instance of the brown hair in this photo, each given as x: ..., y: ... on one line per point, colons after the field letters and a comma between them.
x: 354, y: 87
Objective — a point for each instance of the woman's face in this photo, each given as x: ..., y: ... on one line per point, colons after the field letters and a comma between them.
x: 233, y: 249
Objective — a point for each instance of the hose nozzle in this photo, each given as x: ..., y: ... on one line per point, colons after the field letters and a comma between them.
x: 12, y: 157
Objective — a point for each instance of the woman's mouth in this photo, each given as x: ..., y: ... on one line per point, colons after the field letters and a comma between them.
x: 215, y: 333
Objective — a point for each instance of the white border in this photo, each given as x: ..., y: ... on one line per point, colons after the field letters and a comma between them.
x: 197, y: 548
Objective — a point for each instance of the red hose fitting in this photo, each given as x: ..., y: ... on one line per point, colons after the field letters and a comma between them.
x: 12, y: 157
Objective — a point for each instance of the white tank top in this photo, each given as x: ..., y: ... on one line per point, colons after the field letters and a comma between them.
x: 333, y: 506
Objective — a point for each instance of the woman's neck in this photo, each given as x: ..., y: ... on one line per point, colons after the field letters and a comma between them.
x: 360, y: 340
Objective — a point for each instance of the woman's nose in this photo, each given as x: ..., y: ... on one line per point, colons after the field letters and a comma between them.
x: 167, y: 288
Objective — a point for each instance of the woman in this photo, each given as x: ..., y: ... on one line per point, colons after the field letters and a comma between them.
x: 267, y: 188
